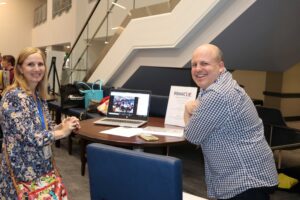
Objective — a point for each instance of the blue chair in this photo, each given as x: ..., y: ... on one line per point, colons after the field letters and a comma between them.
x: 117, y: 173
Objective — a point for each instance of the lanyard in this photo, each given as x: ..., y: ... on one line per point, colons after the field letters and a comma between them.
x: 41, y: 113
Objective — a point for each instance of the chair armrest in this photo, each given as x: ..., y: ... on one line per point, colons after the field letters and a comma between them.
x: 282, y: 137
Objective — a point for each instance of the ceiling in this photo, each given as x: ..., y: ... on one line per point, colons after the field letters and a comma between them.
x: 265, y: 37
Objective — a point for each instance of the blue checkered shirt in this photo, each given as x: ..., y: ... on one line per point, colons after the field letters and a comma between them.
x: 227, y: 127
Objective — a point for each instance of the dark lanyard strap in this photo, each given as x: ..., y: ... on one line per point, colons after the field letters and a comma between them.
x: 41, y: 113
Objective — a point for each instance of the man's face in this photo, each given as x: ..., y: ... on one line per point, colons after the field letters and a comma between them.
x: 4, y: 64
x: 206, y: 67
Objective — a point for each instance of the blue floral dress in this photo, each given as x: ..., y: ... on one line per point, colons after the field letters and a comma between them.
x: 25, y: 140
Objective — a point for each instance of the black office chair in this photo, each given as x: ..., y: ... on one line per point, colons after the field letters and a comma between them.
x: 158, y: 105
x: 117, y: 173
x: 78, y: 110
x: 277, y: 133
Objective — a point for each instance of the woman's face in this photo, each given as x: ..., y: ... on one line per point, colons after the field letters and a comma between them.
x: 33, y: 69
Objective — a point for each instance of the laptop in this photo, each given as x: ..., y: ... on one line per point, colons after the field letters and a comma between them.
x: 128, y: 108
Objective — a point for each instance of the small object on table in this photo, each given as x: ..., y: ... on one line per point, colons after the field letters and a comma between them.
x: 148, y: 137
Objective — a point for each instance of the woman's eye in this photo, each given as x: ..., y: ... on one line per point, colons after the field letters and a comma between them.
x: 33, y: 64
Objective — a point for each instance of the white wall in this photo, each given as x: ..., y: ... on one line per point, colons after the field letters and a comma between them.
x: 254, y: 82
x: 16, y: 23
x: 59, y: 30
x: 291, y: 84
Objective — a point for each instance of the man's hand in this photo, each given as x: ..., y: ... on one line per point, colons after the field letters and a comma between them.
x: 189, y: 109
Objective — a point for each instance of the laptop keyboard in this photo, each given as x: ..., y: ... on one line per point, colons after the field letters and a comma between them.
x: 122, y: 121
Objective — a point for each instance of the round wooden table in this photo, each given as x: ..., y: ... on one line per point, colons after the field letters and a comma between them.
x: 90, y: 133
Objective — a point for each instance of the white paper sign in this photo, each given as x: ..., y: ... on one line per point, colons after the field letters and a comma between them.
x: 178, y: 97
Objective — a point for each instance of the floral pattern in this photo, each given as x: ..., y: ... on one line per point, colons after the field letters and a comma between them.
x: 24, y: 138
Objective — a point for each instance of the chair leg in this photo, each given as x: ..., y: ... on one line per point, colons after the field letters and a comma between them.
x: 57, y: 143
x: 167, y: 150
x: 70, y: 143
x: 279, y: 159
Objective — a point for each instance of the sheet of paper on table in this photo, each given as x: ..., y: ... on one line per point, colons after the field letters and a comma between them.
x: 129, y: 132
x: 123, y: 131
x: 167, y: 131
x: 187, y: 196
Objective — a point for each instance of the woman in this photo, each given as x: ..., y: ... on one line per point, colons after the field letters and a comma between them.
x: 28, y: 131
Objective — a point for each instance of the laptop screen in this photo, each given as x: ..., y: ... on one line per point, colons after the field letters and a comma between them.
x: 131, y: 104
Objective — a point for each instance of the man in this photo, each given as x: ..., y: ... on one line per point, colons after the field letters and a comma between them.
x: 8, y: 63
x: 0, y: 61
x: 239, y: 163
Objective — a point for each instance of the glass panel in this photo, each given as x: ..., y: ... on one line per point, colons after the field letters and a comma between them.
x: 99, y: 34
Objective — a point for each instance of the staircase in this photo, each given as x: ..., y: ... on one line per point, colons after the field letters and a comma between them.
x: 87, y: 53
x: 156, y: 38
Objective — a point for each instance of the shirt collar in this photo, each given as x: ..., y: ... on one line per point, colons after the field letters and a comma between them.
x: 216, y: 82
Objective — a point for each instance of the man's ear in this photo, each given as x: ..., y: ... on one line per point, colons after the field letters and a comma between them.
x: 221, y: 66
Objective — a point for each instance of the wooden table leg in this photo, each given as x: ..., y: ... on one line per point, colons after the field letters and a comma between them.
x: 83, y: 144
x: 70, y: 144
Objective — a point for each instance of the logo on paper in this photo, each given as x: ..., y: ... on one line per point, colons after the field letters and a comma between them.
x: 185, y: 94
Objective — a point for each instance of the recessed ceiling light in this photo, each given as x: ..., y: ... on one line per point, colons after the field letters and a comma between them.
x: 117, y: 27
x: 120, y: 6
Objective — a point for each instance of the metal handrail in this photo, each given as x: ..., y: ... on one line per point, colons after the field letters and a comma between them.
x: 83, y: 28
x: 94, y: 35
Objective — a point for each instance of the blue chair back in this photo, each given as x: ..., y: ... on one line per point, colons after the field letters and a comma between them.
x: 117, y: 173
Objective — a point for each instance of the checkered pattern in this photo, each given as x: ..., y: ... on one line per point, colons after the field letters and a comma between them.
x: 230, y: 133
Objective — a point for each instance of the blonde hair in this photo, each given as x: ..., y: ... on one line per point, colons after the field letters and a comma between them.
x: 19, y: 80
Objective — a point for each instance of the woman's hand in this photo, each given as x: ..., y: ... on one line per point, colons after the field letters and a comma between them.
x: 66, y: 127
x: 71, y: 123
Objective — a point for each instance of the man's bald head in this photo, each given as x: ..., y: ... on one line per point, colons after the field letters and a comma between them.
x: 212, y: 49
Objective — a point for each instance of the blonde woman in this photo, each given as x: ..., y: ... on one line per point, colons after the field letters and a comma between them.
x: 28, y: 131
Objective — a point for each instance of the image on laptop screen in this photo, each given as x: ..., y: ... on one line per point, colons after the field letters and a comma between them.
x: 123, y: 104
x: 129, y: 104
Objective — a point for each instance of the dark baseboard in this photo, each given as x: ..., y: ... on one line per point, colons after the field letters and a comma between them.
x: 282, y: 95
x: 292, y: 118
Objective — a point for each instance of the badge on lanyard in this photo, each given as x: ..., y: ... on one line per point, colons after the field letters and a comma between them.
x: 47, y: 151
